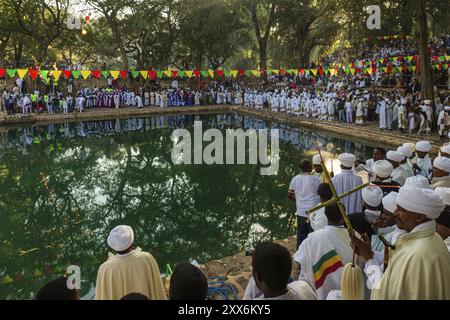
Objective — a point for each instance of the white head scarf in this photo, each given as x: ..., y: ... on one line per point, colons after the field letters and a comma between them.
x: 316, y: 160
x: 442, y: 163
x: 446, y: 148
x: 121, y: 238
x: 444, y: 193
x: 418, y: 181
x: 410, y: 146
x: 395, y: 156
x: 372, y: 196
x: 390, y: 202
x: 419, y: 200
x: 383, y: 169
x: 405, y: 151
x: 423, y: 146
x: 347, y: 159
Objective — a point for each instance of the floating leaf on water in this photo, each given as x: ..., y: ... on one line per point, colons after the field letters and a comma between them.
x: 7, y: 279
x: 24, y: 252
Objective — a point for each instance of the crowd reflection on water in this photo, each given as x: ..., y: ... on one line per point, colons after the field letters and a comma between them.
x: 63, y: 187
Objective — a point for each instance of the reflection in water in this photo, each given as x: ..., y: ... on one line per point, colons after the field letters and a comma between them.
x: 64, y: 186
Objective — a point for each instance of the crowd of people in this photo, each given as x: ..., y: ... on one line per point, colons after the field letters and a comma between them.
x: 399, y: 224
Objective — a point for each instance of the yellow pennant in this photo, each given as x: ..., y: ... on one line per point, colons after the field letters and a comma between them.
x: 85, y: 74
x: 22, y: 73
x: 189, y: 73
x: 211, y: 73
x: 295, y: 71
x: 395, y: 59
x: 369, y: 70
x: 234, y: 73
x: 144, y: 74
x: 255, y: 73
x: 168, y: 73
x: 56, y: 74
x: 114, y: 74
x: 353, y: 70
x: 447, y: 58
x: 314, y: 71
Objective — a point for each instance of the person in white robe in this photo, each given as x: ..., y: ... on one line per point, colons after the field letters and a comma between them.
x: 130, y: 270
x: 419, y: 265
x: 443, y: 122
x: 423, y: 164
x: 440, y: 175
x: 346, y: 181
x: 360, y: 112
x: 402, y: 121
x: 324, y: 253
x: 405, y: 165
x: 395, y: 158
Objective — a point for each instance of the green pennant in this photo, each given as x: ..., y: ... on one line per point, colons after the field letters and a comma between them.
x: 442, y: 58
x: 409, y: 58
x: 445, y: 66
x: 394, y: 70
x: 134, y: 74
x: 76, y: 74
x: 410, y: 68
x: 181, y: 73
x: 105, y: 74
x: 47, y: 80
x: 11, y: 72
x: 248, y: 73
x: 347, y: 71
x: 160, y: 73
x: 204, y: 73
x: 43, y: 74
x: 226, y: 73
x: 384, y: 69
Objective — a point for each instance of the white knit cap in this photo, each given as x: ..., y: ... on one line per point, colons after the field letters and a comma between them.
x: 121, y: 238
x: 423, y: 146
x: 395, y: 156
x: 382, y: 169
x: 372, y: 196
x: 442, y: 163
x: 390, y: 202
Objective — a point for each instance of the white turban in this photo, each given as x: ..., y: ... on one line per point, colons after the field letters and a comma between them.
x: 404, y: 101
x: 347, y: 159
x: 444, y: 193
x: 442, y: 163
x: 395, y: 156
x: 121, y: 238
x: 405, y: 151
x: 419, y: 200
x: 382, y: 169
x: 372, y: 196
x: 427, y: 102
x: 390, y: 202
x: 446, y: 148
x: 418, y: 181
x: 423, y: 146
x: 316, y: 159
x: 447, y: 108
x: 410, y: 146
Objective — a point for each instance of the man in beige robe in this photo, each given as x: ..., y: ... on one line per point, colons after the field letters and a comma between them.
x: 419, y: 267
x: 129, y: 271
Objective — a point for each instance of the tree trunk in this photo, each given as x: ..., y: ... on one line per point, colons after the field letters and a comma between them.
x: 426, y: 74
x: 263, y: 56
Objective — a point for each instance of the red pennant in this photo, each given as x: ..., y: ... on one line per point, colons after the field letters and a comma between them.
x: 33, y: 73
x: 152, y: 74
x: 123, y: 73
x: 302, y: 71
x: 435, y: 58
x: 415, y: 58
x: 282, y: 71
x: 405, y: 69
x: 261, y: 72
x: 400, y: 58
x: 2, y: 72
x: 242, y: 72
x: 196, y: 73
x: 389, y: 68
x: 358, y: 70
x: 374, y: 69
x: 220, y: 73
x: 67, y: 74
x: 96, y: 74
x: 174, y: 73
x: 321, y: 72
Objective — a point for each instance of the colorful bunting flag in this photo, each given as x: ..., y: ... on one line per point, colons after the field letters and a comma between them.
x: 2, y: 72
x: 114, y: 74
x: 227, y: 73
x: 204, y: 73
x: 211, y: 73
x: 96, y: 74
x: 85, y: 74
x: 43, y: 74
x: 144, y: 74
x: 21, y: 73
x: 220, y: 73
x: 56, y: 74
x: 196, y: 73
x: 181, y: 73
x: 105, y: 74
x: 160, y: 73
x: 76, y: 74
x: 134, y: 74
x: 168, y: 73
x: 33, y: 73
x: 152, y: 74
x: 123, y: 74
x: 174, y: 73
x: 255, y: 73
x: 189, y: 73
x: 234, y: 73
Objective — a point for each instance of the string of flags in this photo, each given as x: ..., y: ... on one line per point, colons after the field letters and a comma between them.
x: 358, y: 67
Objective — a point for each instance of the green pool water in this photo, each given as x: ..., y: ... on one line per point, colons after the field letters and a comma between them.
x: 63, y: 187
